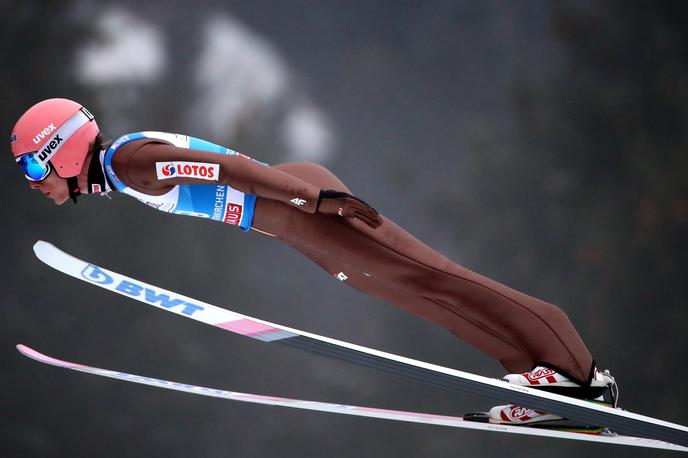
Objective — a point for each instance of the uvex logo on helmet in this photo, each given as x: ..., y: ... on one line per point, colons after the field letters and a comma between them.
x: 44, y: 133
x: 197, y: 170
x: 49, y: 148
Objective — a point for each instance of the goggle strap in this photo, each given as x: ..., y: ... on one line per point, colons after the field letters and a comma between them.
x: 66, y: 130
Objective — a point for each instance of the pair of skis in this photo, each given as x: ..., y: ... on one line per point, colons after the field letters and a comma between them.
x: 629, y: 428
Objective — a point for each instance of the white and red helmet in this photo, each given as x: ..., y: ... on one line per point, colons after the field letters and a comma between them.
x: 56, y: 131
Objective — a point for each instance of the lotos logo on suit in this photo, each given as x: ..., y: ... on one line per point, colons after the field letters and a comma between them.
x: 168, y: 170
x: 196, y: 170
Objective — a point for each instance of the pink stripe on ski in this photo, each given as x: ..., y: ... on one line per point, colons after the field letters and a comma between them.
x: 31, y: 353
x: 403, y: 413
x: 247, y: 327
x: 266, y: 398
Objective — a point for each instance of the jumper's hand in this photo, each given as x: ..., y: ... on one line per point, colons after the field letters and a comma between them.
x: 340, y: 203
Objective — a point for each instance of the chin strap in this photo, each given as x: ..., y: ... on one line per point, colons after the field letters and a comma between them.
x: 73, y: 186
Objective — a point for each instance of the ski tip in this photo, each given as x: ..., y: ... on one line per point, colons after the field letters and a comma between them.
x: 33, y: 354
x: 47, y: 252
x: 30, y: 352
x: 41, y: 245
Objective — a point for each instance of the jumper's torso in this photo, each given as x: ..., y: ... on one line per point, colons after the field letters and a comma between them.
x: 205, y: 198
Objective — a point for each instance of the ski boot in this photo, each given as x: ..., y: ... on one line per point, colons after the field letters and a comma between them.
x: 602, y: 390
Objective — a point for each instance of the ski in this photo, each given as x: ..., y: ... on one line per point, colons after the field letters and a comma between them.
x: 385, y: 414
x: 583, y: 412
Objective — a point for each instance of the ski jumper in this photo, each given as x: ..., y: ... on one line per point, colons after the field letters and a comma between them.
x: 386, y: 262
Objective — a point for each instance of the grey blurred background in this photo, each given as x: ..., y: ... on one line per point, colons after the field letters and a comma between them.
x: 543, y: 144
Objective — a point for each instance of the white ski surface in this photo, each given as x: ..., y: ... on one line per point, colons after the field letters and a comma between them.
x: 270, y: 332
x: 410, y: 417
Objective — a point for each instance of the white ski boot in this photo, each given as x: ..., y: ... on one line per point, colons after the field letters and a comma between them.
x: 603, y: 389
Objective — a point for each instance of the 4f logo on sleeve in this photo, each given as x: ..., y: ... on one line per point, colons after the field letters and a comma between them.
x: 298, y: 202
x: 197, y: 170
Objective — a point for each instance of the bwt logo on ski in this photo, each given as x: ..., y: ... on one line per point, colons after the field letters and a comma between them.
x: 198, y: 170
x: 95, y: 274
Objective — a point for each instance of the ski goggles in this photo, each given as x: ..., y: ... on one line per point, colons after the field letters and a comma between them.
x: 32, y: 167
x: 36, y: 164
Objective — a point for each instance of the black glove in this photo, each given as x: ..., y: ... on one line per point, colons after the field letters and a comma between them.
x: 343, y: 204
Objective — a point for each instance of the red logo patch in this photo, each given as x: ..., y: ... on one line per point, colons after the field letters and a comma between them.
x: 520, y: 413
x: 233, y: 214
x: 168, y: 169
x: 535, y: 377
